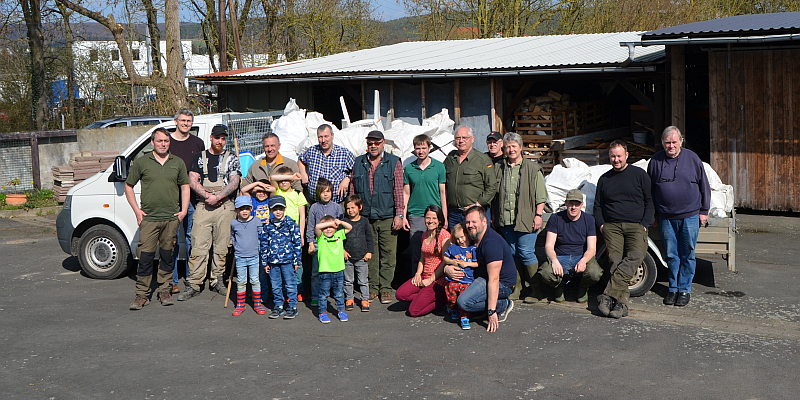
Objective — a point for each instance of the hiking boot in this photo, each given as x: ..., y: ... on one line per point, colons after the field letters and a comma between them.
x: 324, y: 318
x: 342, y: 316
x: 670, y: 298
x: 276, y: 312
x: 604, y: 304
x: 364, y: 306
x: 501, y: 317
x: 349, y: 305
x: 559, y: 293
x: 165, y: 298
x: 465, y: 323
x: 620, y: 310
x: 139, y: 302
x: 219, y: 287
x: 386, y: 297
x: 583, y: 295
x: 290, y: 313
x: 188, y: 293
x: 175, y: 289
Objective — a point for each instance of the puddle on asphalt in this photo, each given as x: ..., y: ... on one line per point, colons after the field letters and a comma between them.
x: 725, y: 293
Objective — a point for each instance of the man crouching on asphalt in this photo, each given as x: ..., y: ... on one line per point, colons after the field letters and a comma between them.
x: 165, y: 200
x: 495, y: 275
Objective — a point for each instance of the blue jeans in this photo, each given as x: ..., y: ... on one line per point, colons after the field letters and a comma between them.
x: 680, y: 238
x: 454, y: 216
x: 473, y: 298
x: 328, y: 281
x: 247, y: 266
x: 186, y: 228
x: 281, y: 277
x: 523, y: 244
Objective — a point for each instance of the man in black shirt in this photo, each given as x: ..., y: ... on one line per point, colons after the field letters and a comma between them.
x: 623, y: 209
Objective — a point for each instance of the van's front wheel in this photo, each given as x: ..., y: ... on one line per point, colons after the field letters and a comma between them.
x: 103, y: 253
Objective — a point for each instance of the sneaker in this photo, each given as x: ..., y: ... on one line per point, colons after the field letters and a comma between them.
x: 139, y: 302
x: 324, y: 318
x: 453, y: 313
x: 299, y: 297
x: 620, y: 310
x: 342, y: 316
x: 276, y: 312
x: 188, y: 294
x: 290, y: 313
x: 165, y: 298
x: 314, y: 303
x: 175, y: 289
x: 349, y: 305
x: 501, y: 317
x: 465, y: 323
x: 386, y: 297
x: 604, y: 304
x: 364, y: 306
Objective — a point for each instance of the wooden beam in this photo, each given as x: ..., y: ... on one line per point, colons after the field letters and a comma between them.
x: 37, y: 180
x: 523, y: 91
x: 641, y: 97
x: 422, y: 86
x: 391, y: 98
x: 457, y: 101
x: 573, y: 142
x: 493, y: 115
x: 678, y: 86
x: 364, y: 100
x: 29, y: 135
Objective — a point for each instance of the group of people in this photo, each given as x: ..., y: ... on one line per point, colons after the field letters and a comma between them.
x: 473, y: 222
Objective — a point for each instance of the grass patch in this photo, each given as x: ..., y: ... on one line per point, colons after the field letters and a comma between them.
x: 36, y: 199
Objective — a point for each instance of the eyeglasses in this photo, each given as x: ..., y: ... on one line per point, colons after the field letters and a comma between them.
x: 462, y: 139
x: 674, y: 173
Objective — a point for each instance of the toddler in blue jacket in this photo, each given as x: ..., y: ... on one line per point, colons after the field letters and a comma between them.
x: 281, y: 248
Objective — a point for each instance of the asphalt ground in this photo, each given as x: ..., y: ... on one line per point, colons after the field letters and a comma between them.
x: 66, y: 336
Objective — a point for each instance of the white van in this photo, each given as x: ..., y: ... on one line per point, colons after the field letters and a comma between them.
x: 97, y: 224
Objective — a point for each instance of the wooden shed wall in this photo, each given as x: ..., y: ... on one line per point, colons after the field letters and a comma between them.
x: 754, y: 106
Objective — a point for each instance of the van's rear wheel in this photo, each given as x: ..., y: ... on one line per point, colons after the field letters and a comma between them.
x: 103, y: 253
x: 643, y: 279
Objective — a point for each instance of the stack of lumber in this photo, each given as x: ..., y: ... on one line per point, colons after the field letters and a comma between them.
x: 551, y: 114
x: 81, y: 166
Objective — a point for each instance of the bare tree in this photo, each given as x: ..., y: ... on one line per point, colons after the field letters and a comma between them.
x: 32, y: 11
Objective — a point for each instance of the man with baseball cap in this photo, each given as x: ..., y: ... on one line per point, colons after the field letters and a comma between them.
x: 494, y: 142
x: 378, y: 180
x: 214, y: 177
x: 570, y: 247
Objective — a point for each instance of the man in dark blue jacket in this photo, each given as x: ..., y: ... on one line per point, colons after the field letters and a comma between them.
x: 682, y: 197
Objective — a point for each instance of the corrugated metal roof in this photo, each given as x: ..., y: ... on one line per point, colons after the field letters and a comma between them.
x: 752, y: 24
x: 497, y: 54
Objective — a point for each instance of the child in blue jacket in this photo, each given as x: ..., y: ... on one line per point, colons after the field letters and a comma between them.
x: 281, y: 248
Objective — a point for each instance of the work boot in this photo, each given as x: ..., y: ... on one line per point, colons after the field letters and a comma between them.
x: 604, y: 304
x: 165, y: 297
x: 139, y: 302
x: 219, y: 287
x: 620, y: 310
x: 188, y: 293
x: 559, y: 293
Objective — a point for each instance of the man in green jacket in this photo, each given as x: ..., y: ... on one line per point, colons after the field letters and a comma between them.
x: 471, y: 178
x: 518, y: 209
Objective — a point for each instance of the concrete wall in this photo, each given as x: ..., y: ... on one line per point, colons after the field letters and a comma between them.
x: 57, y: 151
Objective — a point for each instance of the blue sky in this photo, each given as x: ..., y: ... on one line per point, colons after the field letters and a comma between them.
x: 391, y: 9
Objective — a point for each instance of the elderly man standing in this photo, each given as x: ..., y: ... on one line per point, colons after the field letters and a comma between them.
x: 518, y: 209
x: 262, y: 170
x: 326, y: 160
x: 495, y: 275
x: 214, y: 177
x: 471, y: 178
x: 570, y: 246
x: 378, y: 180
x: 682, y: 197
x: 623, y: 209
x: 184, y: 145
x: 495, y: 145
x: 165, y: 198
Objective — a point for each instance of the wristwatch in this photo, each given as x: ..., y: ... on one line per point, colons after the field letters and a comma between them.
x: 538, y: 215
x: 400, y: 216
x: 490, y: 312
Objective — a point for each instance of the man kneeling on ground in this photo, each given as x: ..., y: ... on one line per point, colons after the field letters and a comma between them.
x: 570, y: 246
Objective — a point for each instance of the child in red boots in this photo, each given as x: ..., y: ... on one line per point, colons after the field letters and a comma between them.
x: 244, y: 234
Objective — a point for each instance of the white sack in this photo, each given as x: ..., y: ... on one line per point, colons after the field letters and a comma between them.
x: 291, y: 129
x: 568, y: 175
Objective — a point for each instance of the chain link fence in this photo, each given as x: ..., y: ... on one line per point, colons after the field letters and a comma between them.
x: 250, y: 129
x: 15, y: 163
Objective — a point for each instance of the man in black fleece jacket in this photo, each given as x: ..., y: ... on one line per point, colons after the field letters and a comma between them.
x: 623, y: 209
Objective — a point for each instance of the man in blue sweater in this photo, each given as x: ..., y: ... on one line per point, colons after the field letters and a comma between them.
x: 682, y: 198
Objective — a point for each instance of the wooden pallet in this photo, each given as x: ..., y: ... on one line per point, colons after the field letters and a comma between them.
x: 592, y: 116
x: 557, y: 123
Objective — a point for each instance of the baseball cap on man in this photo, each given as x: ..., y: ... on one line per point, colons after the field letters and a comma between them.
x: 574, y: 195
x: 494, y: 135
x: 276, y: 201
x: 243, y: 201
x: 219, y: 130
x: 375, y: 135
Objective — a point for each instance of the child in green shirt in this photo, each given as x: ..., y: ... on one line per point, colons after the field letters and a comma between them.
x: 330, y: 254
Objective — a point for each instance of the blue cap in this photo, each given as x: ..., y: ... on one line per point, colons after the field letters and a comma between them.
x: 243, y: 201
x: 275, y: 201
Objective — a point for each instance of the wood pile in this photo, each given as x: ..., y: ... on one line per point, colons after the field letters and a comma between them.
x: 81, y: 166
x: 551, y: 114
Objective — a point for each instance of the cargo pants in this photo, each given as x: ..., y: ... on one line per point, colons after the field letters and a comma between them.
x: 155, y: 235
x: 627, y: 246
x: 211, y: 228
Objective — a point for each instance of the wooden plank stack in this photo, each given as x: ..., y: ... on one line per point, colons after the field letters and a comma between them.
x: 81, y: 166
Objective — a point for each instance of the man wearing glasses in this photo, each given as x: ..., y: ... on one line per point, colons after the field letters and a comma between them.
x: 623, y: 209
x: 378, y: 180
x: 471, y: 178
x: 682, y: 198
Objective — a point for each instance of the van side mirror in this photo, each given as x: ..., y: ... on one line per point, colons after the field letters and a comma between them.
x: 120, y: 173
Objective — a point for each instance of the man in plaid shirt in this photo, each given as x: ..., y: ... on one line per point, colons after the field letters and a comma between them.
x: 326, y: 160
x: 378, y: 180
